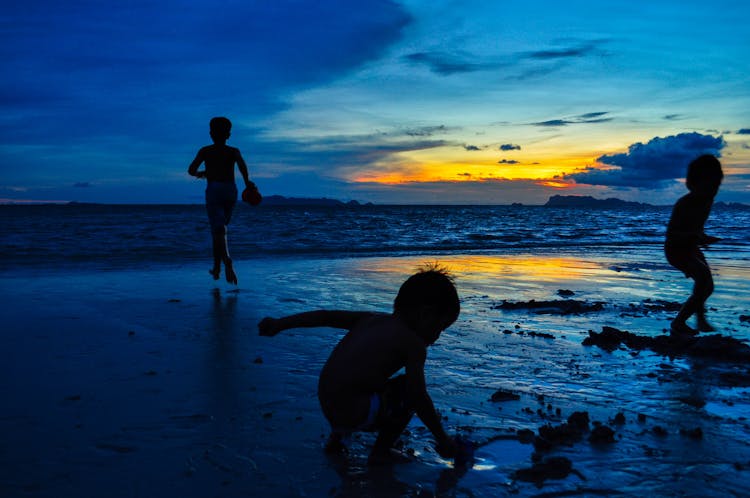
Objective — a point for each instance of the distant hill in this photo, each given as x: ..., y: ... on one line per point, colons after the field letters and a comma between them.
x: 280, y: 200
x: 588, y: 201
x: 731, y: 205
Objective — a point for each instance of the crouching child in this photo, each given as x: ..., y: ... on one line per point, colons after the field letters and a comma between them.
x: 357, y: 388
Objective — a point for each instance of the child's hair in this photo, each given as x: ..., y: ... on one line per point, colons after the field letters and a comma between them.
x: 432, y: 286
x: 702, y: 170
x: 221, y: 127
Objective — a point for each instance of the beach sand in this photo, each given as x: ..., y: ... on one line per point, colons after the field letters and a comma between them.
x: 154, y: 382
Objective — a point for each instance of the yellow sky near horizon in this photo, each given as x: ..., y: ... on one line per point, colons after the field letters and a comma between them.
x: 447, y: 164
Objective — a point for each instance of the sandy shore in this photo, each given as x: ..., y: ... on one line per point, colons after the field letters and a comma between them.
x: 154, y: 382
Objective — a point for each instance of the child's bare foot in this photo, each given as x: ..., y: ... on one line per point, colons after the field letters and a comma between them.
x: 215, y: 273
x: 704, y: 326
x: 388, y: 457
x: 229, y: 272
x: 682, y: 329
x: 335, y: 445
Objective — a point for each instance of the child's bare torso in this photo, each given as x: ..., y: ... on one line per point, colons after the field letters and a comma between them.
x: 371, y: 352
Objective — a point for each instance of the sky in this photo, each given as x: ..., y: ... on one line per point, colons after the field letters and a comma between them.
x: 408, y: 102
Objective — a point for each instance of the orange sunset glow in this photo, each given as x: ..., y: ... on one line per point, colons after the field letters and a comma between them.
x: 450, y: 166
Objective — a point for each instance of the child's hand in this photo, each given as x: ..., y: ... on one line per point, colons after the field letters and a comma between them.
x: 709, y: 239
x: 268, y: 327
x: 447, y: 448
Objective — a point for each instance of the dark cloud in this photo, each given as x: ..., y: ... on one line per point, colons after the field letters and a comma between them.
x: 446, y: 64
x: 507, y: 161
x: 472, y: 147
x: 74, y: 65
x: 510, y: 147
x: 339, y: 153
x: 673, y: 117
x: 82, y: 185
x: 591, y: 117
x: 743, y: 131
x: 426, y: 131
x: 652, y: 164
x: 581, y: 50
x: 553, y: 122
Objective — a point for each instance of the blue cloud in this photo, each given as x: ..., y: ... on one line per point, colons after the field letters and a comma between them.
x: 590, y: 117
x: 448, y: 63
x: 652, y: 164
x: 743, y: 131
x: 510, y: 147
x: 581, y: 50
x: 79, y: 70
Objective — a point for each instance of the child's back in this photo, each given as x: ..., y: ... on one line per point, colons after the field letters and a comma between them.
x: 377, y: 347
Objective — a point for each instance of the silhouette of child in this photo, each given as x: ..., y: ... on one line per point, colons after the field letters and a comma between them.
x: 356, y: 389
x: 221, y: 192
x: 685, y: 236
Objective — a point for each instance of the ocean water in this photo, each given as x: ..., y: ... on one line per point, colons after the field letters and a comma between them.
x: 119, y: 236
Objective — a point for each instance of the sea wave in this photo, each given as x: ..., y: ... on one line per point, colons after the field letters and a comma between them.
x: 54, y: 235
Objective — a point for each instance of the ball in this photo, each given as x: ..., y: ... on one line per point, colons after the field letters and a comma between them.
x: 252, y: 196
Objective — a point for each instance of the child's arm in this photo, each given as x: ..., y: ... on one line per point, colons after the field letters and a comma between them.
x: 708, y: 239
x: 193, y: 168
x: 243, y: 169
x: 320, y: 318
x: 444, y: 444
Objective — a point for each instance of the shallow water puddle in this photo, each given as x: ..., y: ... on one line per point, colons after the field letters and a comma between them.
x: 732, y: 403
x: 502, y: 453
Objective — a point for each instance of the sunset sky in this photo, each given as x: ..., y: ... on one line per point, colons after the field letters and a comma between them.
x: 415, y: 101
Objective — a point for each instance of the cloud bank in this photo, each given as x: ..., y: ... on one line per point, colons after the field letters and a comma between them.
x: 651, y: 165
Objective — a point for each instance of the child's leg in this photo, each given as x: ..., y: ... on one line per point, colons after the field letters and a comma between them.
x: 221, y: 254
x: 395, y: 415
x: 699, y: 271
x: 228, y: 268
x: 216, y: 241
x: 705, y: 290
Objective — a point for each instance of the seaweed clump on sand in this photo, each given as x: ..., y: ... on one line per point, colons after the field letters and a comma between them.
x: 566, y: 434
x: 550, y: 468
x: 714, y: 347
x: 558, y: 306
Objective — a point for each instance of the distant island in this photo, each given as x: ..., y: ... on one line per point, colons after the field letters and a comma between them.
x: 280, y: 200
x: 587, y: 201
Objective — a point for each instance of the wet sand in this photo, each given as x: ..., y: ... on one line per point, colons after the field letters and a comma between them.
x: 154, y: 382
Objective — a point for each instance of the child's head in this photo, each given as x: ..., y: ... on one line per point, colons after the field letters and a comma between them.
x: 704, y: 175
x: 428, y: 302
x: 220, y: 129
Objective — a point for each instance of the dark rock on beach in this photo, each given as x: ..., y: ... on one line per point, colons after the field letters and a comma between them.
x: 503, y: 395
x: 715, y: 346
x: 566, y: 434
x: 602, y: 434
x: 560, y: 306
x: 549, y: 468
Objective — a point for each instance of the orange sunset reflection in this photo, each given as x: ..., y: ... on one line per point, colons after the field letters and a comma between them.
x: 519, y: 267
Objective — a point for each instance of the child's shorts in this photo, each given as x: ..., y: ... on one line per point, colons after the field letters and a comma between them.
x: 390, y: 405
x: 220, y: 200
x: 686, y: 260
